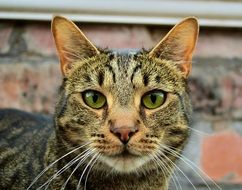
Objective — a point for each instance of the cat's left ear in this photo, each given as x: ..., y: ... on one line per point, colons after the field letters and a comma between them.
x: 178, y: 45
x: 72, y: 45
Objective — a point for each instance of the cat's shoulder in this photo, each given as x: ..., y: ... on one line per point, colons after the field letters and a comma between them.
x: 23, y: 127
x: 17, y: 118
x: 23, y: 143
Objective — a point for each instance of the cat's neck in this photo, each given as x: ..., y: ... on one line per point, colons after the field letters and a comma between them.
x: 143, y: 181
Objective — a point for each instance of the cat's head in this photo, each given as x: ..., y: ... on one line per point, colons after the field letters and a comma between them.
x: 131, y: 107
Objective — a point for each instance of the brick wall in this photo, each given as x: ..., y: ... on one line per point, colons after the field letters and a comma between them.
x: 30, y: 76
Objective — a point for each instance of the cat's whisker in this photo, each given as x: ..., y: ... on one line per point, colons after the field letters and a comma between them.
x: 191, y: 165
x: 174, y: 153
x: 64, y: 168
x: 177, y: 167
x: 174, y: 172
x: 199, y: 132
x: 85, y: 184
x: 81, y: 158
x: 81, y: 161
x: 49, y: 166
x: 163, y: 169
x: 88, y: 165
x: 163, y: 165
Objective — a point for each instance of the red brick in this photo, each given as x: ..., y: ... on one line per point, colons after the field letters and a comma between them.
x: 222, y: 157
x: 118, y: 36
x: 5, y: 33
x: 39, y: 39
x: 32, y: 88
x: 9, y: 87
x: 231, y: 94
x: 237, y: 102
x: 219, y: 43
x: 227, y: 92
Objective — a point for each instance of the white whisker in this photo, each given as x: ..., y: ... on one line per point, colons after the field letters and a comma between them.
x: 82, y: 159
x: 90, y: 170
x: 175, y: 180
x: 49, y: 166
x: 174, y: 153
x: 63, y: 169
x: 89, y: 163
x: 163, y: 168
x: 186, y: 160
x: 199, y: 132
x: 178, y: 169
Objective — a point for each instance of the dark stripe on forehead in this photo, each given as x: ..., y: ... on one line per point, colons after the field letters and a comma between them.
x: 87, y: 78
x: 136, y: 69
x: 111, y: 70
x: 111, y: 56
x: 157, y: 79
x: 100, y: 78
x: 146, y: 79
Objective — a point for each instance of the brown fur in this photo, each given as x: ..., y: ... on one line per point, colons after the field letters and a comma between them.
x: 123, y: 78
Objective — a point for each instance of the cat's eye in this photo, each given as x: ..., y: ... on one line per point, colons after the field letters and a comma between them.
x: 153, y: 99
x: 94, y: 99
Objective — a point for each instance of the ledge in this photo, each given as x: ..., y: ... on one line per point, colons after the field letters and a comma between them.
x: 210, y: 13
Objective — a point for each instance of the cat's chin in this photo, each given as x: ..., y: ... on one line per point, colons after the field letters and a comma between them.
x: 125, y: 163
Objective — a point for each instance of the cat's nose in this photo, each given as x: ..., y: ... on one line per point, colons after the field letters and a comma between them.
x: 124, y: 133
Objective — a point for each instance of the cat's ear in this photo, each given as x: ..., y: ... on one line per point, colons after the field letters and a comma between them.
x: 72, y: 45
x: 178, y: 45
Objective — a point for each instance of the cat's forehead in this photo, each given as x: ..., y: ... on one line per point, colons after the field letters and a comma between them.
x: 123, y: 60
x: 122, y: 71
x: 125, y: 53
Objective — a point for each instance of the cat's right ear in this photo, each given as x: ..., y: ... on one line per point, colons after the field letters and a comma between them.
x: 72, y: 45
x: 179, y: 44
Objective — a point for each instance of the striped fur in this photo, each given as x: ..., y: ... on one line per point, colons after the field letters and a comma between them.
x: 28, y: 143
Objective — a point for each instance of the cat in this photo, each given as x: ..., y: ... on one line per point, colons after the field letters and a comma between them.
x: 120, y: 123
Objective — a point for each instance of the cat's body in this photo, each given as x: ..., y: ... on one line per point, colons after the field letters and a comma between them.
x: 23, y: 143
x: 119, y: 118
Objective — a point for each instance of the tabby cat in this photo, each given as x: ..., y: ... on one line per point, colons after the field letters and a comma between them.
x: 121, y: 120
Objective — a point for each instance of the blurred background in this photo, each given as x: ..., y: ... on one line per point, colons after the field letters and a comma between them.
x: 30, y: 74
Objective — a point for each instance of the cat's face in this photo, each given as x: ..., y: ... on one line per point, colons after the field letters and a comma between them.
x: 128, y: 106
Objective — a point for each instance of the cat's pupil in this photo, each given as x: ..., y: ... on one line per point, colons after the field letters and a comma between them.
x: 153, y: 98
x: 95, y: 98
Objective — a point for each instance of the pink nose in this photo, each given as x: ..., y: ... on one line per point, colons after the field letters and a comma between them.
x: 124, y: 133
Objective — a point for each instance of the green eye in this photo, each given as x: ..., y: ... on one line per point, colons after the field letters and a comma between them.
x: 153, y: 99
x: 94, y: 99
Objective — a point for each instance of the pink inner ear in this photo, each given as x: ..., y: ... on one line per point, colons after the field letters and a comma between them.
x: 185, y: 68
x: 186, y: 65
x: 63, y: 62
x: 71, y: 43
x: 178, y: 45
